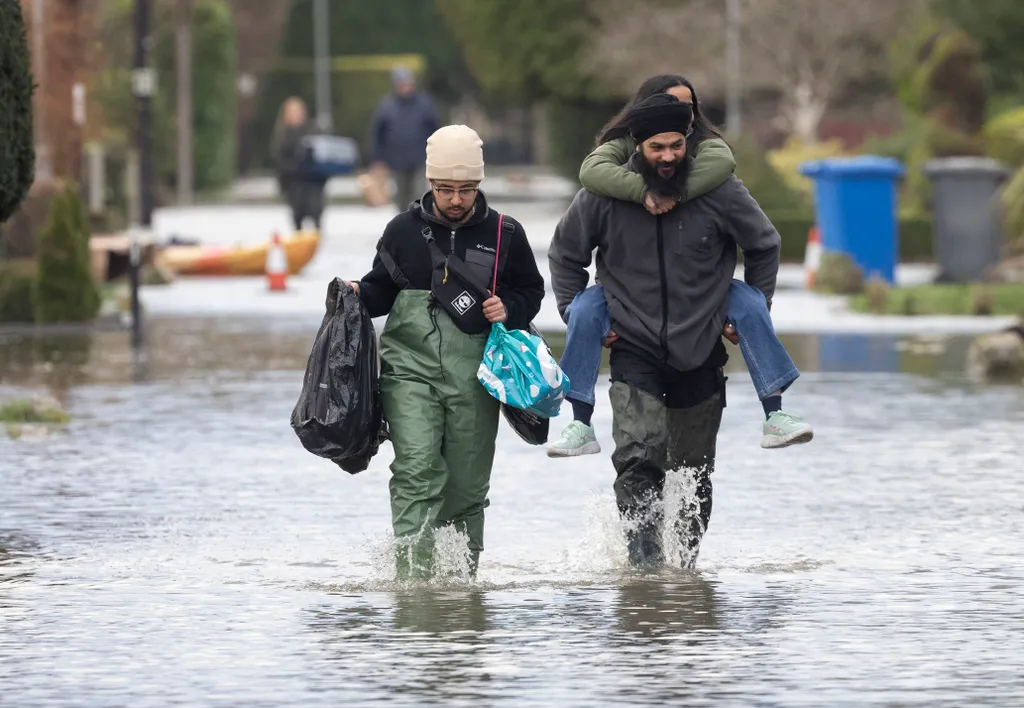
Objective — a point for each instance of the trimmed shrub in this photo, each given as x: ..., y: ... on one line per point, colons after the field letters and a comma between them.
x: 65, y: 291
x: 17, y: 153
x: 1004, y: 136
x: 943, y: 84
x: 1013, y: 218
x: 839, y: 275
x: 786, y: 162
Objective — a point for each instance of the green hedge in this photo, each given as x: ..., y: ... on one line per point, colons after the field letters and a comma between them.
x: 572, y: 128
x: 915, y: 237
x: 17, y: 153
x: 1004, y: 136
x: 213, y: 85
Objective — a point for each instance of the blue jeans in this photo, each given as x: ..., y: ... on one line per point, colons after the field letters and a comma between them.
x: 768, y: 362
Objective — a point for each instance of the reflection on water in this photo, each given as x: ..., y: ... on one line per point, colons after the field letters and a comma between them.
x: 435, y: 611
x: 59, y: 360
x: 839, y: 352
x: 176, y: 347
x: 429, y: 644
x: 179, y: 547
x: 173, y: 348
x: 675, y: 638
x: 16, y: 556
x: 661, y: 610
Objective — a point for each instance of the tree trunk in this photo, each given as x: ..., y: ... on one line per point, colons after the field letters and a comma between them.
x: 803, y: 111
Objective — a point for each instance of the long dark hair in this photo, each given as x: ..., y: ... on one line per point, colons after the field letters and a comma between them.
x: 703, y: 129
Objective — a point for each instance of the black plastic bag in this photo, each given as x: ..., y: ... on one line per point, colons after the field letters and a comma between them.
x: 339, y: 414
x: 531, y: 428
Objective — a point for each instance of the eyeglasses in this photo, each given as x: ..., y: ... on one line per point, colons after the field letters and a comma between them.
x: 449, y: 192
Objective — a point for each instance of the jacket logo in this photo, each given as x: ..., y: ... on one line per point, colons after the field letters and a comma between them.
x: 484, y: 248
x: 463, y: 302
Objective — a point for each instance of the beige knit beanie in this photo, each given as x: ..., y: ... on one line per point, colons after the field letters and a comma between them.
x: 456, y: 153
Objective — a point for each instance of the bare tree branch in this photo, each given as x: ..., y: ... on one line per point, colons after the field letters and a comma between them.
x: 809, y: 50
x: 818, y: 47
x: 642, y: 38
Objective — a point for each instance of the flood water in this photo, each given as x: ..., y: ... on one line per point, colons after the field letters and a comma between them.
x: 178, y: 547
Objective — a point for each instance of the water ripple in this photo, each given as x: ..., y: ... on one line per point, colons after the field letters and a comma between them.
x: 178, y: 547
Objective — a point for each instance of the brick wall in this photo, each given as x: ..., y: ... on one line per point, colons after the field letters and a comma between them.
x: 60, y: 40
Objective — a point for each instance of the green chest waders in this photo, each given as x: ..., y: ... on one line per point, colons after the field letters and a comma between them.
x: 443, y: 427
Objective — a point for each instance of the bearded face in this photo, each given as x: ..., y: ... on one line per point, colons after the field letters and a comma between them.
x: 664, y: 164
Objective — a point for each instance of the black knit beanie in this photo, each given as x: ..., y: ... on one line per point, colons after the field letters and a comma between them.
x: 660, y: 113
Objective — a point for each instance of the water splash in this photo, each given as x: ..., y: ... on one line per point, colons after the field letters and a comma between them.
x: 603, y: 547
x: 681, y: 509
x: 452, y: 561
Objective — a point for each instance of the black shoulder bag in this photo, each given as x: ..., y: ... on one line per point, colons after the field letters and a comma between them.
x: 458, y: 289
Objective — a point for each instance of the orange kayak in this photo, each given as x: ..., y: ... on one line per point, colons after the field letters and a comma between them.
x: 238, y: 260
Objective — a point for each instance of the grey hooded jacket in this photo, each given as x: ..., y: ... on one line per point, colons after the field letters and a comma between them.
x: 666, y: 278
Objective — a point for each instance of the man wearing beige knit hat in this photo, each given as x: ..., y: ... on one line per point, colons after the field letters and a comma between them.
x: 445, y: 270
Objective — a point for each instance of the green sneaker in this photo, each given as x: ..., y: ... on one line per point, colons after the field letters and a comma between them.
x: 577, y: 439
x: 782, y: 430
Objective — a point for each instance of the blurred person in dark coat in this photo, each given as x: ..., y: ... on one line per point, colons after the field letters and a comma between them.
x: 303, y: 189
x: 403, y: 121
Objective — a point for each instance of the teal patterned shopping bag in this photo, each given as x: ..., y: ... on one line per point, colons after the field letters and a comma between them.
x: 519, y: 370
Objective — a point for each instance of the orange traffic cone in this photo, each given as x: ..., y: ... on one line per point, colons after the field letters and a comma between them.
x: 812, y: 257
x: 277, y: 265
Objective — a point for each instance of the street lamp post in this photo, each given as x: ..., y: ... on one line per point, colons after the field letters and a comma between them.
x: 733, y: 22
x: 321, y: 46
x: 143, y: 86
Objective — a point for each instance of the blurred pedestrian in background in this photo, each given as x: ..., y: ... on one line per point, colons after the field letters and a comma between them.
x: 403, y: 121
x: 300, y: 186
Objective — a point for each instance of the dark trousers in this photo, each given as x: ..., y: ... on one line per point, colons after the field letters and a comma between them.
x: 409, y: 186
x: 664, y: 420
x: 306, y: 201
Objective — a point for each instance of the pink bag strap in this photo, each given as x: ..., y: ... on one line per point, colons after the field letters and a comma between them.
x: 497, y: 252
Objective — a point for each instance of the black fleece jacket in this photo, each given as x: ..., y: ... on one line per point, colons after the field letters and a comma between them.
x: 520, y: 284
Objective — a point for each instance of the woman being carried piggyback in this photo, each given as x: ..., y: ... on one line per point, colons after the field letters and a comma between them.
x: 604, y: 172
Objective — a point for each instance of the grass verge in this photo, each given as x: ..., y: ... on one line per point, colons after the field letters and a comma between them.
x: 980, y: 300
x: 25, y: 411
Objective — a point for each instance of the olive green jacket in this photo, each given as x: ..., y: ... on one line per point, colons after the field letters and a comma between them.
x: 604, y: 172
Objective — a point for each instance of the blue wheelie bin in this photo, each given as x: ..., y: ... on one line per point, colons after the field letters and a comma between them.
x: 855, y: 209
